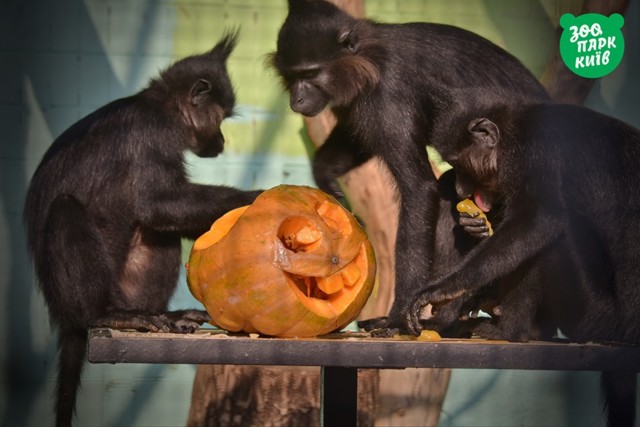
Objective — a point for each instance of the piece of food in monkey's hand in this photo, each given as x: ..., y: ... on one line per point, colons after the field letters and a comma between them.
x: 295, y: 263
x: 468, y: 207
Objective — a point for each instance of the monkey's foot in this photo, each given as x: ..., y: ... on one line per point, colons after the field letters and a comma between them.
x: 181, y: 322
x: 491, y: 330
x: 189, y: 320
x: 379, y: 327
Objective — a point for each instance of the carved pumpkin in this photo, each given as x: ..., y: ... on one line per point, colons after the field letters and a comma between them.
x: 294, y: 263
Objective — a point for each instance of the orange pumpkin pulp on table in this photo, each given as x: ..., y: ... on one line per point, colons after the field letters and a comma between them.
x: 293, y: 263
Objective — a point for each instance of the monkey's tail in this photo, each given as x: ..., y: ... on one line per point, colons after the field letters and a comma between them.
x: 619, y: 394
x: 73, y: 344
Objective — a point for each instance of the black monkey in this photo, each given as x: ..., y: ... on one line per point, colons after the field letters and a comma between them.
x: 394, y: 89
x: 568, y: 179
x: 110, y: 201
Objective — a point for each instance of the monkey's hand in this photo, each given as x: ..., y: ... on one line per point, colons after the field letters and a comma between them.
x: 329, y: 185
x: 431, y: 294
x: 475, y: 226
x: 473, y: 220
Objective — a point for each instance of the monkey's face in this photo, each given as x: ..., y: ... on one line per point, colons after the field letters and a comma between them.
x: 204, y: 96
x: 322, y: 57
x: 468, y: 188
x: 476, y: 164
x: 211, y: 102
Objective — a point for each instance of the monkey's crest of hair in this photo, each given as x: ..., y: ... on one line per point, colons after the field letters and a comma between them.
x: 181, y: 75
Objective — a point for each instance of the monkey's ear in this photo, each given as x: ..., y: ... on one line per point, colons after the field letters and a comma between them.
x: 200, y: 91
x: 484, y: 131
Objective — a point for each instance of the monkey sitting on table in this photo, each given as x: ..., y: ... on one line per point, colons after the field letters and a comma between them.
x: 109, y: 203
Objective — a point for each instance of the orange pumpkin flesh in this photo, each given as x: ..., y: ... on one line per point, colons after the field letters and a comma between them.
x: 294, y: 263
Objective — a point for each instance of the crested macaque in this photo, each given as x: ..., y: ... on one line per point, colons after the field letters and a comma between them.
x: 394, y: 89
x: 110, y: 201
x: 566, y: 250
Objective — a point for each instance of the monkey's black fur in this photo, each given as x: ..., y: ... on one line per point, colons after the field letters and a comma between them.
x: 394, y: 89
x: 568, y: 180
x: 110, y: 201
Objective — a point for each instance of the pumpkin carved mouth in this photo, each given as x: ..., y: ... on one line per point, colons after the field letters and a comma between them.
x: 328, y: 295
x: 294, y: 263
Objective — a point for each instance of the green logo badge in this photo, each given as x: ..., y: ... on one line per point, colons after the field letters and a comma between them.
x: 591, y: 44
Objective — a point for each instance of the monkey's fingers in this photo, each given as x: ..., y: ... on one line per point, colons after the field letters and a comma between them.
x: 186, y: 321
x: 329, y: 186
x: 198, y: 316
x: 477, y: 227
x: 379, y: 327
x: 385, y: 332
x: 472, y: 216
x: 184, y: 326
x: 371, y: 324
x: 163, y: 323
x: 137, y: 321
x: 478, y: 232
x: 413, y: 315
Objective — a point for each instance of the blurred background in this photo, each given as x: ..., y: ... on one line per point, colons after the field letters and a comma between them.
x: 60, y: 60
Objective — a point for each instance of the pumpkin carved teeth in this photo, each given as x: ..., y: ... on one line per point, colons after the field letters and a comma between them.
x: 331, y: 284
x: 351, y: 274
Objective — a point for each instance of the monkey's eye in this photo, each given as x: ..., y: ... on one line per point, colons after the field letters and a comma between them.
x: 309, y: 74
x: 348, y: 41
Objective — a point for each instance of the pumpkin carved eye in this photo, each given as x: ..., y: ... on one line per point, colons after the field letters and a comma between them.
x: 294, y: 263
x: 335, y: 217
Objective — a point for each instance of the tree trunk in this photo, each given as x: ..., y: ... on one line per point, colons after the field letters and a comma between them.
x: 229, y: 395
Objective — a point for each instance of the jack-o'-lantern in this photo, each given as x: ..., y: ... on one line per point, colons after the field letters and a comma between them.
x: 293, y: 263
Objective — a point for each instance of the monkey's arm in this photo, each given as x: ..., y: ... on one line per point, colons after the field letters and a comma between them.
x: 514, y: 242
x: 190, y: 209
x: 337, y: 156
x: 417, y: 224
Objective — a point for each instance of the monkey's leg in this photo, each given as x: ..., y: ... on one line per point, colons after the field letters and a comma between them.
x: 514, y: 318
x: 146, y: 285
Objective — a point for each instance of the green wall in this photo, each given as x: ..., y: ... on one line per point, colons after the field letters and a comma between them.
x: 59, y: 60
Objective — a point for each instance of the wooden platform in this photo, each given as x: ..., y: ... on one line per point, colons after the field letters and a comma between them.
x: 355, y: 350
x: 340, y: 356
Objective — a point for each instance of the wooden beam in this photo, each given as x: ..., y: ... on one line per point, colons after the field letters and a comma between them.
x: 356, y: 350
